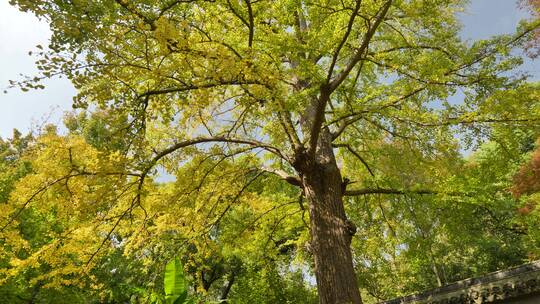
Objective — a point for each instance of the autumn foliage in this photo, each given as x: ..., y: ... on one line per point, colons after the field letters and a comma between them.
x: 527, y: 180
x: 533, y: 6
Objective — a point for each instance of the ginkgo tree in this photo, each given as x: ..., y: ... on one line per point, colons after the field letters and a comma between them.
x: 289, y: 88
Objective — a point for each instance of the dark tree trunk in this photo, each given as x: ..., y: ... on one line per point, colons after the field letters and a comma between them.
x: 227, y: 288
x: 331, y: 231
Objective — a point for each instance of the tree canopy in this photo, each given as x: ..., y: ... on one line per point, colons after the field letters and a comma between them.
x: 288, y: 151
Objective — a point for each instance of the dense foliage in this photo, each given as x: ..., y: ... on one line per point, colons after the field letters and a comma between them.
x: 276, y: 147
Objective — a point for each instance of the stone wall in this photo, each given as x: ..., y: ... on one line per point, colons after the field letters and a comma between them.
x: 515, y: 285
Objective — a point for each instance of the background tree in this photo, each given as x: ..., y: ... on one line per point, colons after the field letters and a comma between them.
x: 533, y: 6
x: 290, y: 88
x: 64, y: 185
x: 413, y: 243
x: 37, y: 230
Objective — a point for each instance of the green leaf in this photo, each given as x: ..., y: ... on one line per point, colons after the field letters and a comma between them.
x: 175, y: 282
x: 190, y: 301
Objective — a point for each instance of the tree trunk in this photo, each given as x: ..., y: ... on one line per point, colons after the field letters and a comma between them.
x: 331, y: 231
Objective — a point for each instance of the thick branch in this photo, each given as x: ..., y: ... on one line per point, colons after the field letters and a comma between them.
x: 458, y: 121
x: 201, y: 140
x: 329, y: 87
x: 318, y: 118
x: 194, y: 87
x: 288, y: 128
x: 251, y: 23
x: 293, y: 180
x: 173, y: 4
x: 368, y: 191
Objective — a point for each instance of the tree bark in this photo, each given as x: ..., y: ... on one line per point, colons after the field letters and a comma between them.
x: 331, y: 231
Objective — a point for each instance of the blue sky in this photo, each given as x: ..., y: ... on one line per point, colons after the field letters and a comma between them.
x: 21, y: 32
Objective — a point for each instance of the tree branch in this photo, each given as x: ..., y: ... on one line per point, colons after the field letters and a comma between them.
x: 328, y: 87
x: 363, y: 47
x: 291, y: 179
x: 457, y: 121
x: 201, y: 140
x: 357, y: 155
x: 194, y: 87
x: 251, y: 24
x: 343, y: 40
x: 350, y: 118
x: 126, y: 5
x: 368, y: 191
